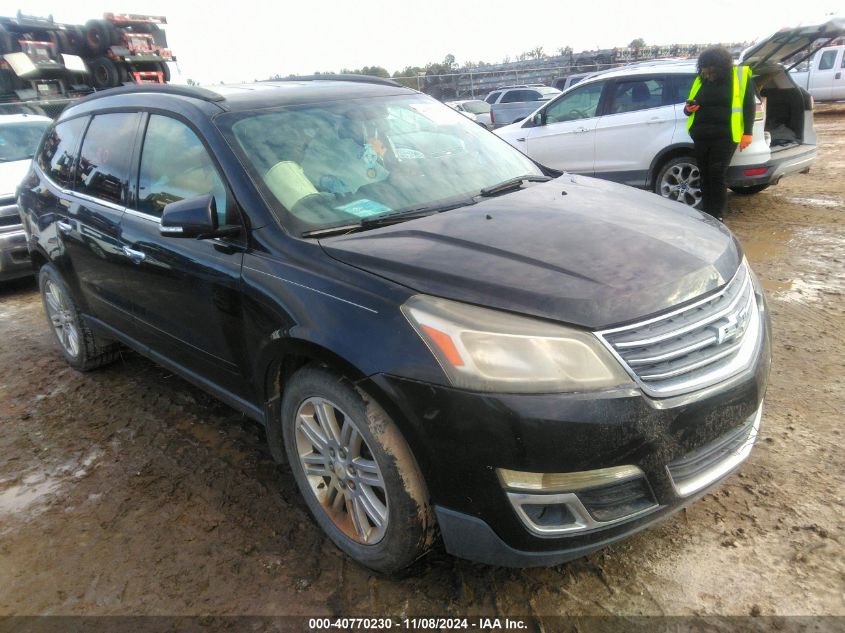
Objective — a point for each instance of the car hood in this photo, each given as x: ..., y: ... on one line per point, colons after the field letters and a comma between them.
x: 577, y: 250
x: 11, y: 174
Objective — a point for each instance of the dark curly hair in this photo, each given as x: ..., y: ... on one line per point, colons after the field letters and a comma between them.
x: 717, y: 58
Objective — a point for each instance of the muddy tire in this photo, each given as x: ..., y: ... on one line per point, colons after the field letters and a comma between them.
x: 355, y: 470
x: 747, y: 191
x: 83, y: 350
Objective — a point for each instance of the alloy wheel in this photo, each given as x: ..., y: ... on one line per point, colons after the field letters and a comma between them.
x: 341, y: 470
x: 61, y: 318
x: 682, y: 182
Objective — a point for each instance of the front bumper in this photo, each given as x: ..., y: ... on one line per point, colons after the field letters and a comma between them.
x: 781, y: 164
x: 461, y: 438
x: 14, y: 256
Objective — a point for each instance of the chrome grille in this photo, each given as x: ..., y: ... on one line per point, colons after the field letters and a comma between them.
x: 695, y: 346
x: 9, y: 216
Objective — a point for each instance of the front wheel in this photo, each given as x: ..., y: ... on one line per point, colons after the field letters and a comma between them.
x: 355, y: 470
x: 680, y: 180
x: 747, y: 191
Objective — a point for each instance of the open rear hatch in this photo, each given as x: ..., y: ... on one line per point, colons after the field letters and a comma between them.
x: 789, y: 42
x: 788, y: 111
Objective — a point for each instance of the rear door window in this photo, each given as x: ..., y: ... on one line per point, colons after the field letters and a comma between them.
x: 827, y: 60
x: 59, y: 150
x: 631, y: 95
x: 103, y: 170
x: 681, y: 85
x: 174, y: 166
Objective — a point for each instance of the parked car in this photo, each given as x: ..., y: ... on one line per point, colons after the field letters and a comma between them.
x: 823, y: 74
x: 19, y: 138
x: 514, y: 103
x: 475, y: 110
x: 431, y: 332
x: 565, y: 83
x: 628, y: 125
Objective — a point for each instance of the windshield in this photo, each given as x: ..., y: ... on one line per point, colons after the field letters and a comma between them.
x: 477, y: 107
x: 18, y: 141
x: 343, y: 162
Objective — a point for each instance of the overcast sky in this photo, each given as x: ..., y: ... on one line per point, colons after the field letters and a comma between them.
x: 215, y: 42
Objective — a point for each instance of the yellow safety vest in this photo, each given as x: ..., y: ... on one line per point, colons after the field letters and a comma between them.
x: 740, y: 77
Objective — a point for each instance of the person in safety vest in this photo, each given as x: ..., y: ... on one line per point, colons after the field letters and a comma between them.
x: 720, y: 108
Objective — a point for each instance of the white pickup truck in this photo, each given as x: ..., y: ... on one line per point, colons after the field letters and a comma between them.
x: 823, y: 74
x: 509, y: 104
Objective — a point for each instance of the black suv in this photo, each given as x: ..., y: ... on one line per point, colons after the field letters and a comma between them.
x: 434, y: 330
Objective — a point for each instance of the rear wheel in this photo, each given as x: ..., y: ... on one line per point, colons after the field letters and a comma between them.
x: 355, y: 470
x: 680, y: 180
x: 82, y: 349
x: 747, y: 191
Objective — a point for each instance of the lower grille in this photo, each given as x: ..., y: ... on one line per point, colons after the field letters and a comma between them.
x: 9, y: 216
x: 699, y: 468
x: 695, y: 346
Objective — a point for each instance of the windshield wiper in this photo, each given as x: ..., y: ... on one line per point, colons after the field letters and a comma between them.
x: 513, y: 183
x: 386, y: 219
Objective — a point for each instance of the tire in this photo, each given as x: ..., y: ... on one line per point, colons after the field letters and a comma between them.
x: 83, y: 350
x: 678, y: 179
x: 104, y: 73
x: 360, y: 467
x: 99, y: 35
x: 747, y: 191
x: 165, y: 71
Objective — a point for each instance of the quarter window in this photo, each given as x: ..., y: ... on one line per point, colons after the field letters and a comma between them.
x: 491, y: 98
x: 103, y: 170
x: 581, y: 103
x: 175, y: 165
x: 59, y: 150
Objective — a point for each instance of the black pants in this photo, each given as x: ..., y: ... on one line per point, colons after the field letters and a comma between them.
x: 713, y: 157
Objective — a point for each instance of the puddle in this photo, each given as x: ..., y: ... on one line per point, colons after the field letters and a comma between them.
x: 18, y: 498
x: 36, y: 489
x: 816, y: 202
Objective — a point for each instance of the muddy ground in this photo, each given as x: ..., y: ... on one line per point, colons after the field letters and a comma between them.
x: 127, y: 490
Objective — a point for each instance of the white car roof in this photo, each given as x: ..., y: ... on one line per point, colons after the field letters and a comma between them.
x: 667, y: 66
x: 20, y: 118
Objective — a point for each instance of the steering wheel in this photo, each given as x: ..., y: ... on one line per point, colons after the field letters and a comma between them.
x: 577, y: 114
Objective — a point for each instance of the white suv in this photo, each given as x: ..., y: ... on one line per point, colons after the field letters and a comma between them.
x: 628, y: 124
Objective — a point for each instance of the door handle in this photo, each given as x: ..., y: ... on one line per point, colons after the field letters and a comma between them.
x: 838, y: 75
x: 136, y: 256
x: 521, y: 140
x: 64, y: 227
x: 654, y: 121
x: 580, y: 130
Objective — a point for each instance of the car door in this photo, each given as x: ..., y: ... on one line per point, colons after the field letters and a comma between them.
x: 565, y: 136
x: 837, y: 91
x: 822, y: 76
x: 90, y: 228
x: 637, y: 122
x: 186, y: 292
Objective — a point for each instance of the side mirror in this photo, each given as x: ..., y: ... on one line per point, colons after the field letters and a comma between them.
x: 193, y: 217
x: 536, y: 120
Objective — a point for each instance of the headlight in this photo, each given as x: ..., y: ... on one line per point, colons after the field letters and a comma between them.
x: 488, y: 350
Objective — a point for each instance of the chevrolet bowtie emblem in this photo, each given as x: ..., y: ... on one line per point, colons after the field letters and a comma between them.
x: 729, y: 327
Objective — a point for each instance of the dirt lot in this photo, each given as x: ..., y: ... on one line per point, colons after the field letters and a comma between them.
x: 128, y: 491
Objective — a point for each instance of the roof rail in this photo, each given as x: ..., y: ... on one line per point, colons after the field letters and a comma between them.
x: 366, y: 79
x: 167, y: 89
